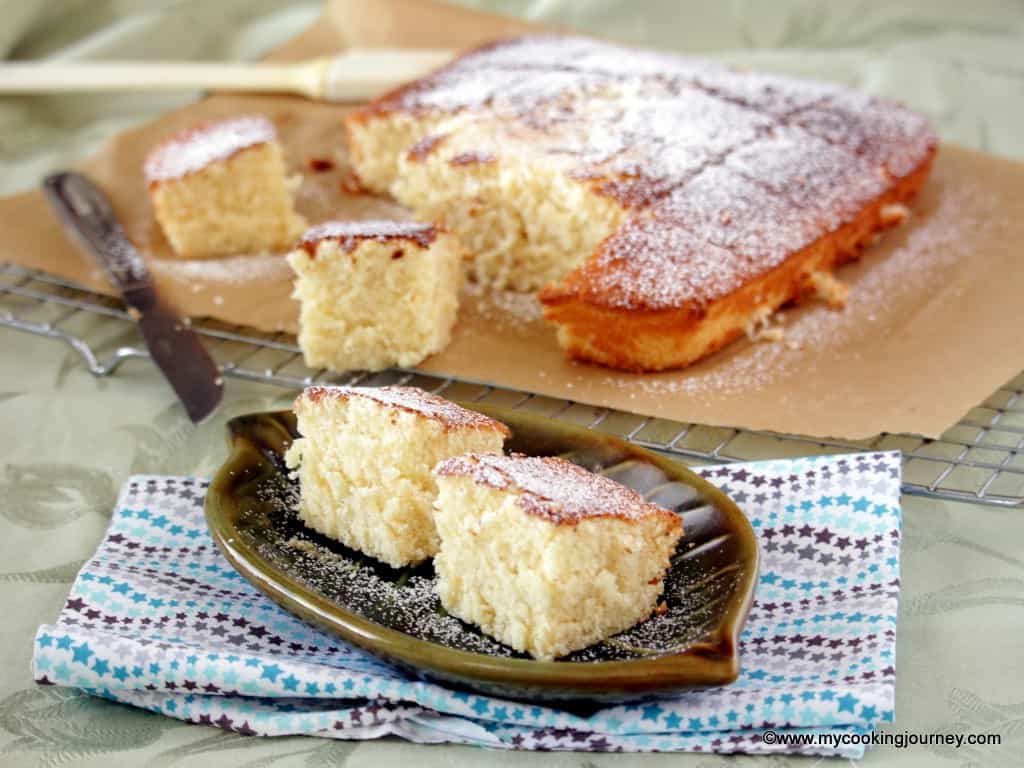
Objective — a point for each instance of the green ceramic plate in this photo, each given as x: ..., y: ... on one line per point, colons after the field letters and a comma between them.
x: 396, y: 615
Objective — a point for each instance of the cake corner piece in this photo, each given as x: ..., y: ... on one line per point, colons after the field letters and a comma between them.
x: 545, y: 556
x: 221, y: 189
x: 374, y: 294
x: 364, y: 462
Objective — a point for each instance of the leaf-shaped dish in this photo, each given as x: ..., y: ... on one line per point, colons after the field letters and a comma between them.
x: 396, y: 615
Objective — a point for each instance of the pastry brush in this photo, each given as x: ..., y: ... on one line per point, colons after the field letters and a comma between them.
x: 355, y: 75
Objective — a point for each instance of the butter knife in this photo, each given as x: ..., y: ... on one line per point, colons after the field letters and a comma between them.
x: 176, y: 349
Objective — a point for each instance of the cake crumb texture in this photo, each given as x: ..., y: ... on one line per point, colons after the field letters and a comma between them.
x: 364, y: 464
x: 545, y: 582
x: 221, y: 189
x: 375, y: 294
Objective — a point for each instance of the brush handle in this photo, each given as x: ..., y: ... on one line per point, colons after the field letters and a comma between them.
x: 352, y: 76
x: 88, y: 76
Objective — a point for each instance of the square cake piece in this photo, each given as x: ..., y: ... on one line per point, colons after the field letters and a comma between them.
x: 364, y: 464
x: 545, y: 556
x: 221, y: 189
x: 375, y: 293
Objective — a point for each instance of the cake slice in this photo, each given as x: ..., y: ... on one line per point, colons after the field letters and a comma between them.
x: 375, y: 294
x: 220, y: 189
x: 364, y: 464
x: 545, y: 556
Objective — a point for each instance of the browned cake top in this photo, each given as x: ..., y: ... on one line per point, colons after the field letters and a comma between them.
x: 195, y: 148
x: 412, y: 400
x: 349, y: 234
x: 726, y: 172
x: 553, y: 488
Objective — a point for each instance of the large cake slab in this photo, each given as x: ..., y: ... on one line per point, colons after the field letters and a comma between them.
x: 663, y: 205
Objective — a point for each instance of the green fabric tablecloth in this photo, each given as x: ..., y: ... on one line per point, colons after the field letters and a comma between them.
x: 70, y: 439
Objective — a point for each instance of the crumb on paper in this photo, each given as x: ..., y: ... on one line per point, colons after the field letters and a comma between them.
x: 894, y: 214
x: 320, y: 164
x: 829, y: 289
x: 761, y: 326
x: 351, y: 185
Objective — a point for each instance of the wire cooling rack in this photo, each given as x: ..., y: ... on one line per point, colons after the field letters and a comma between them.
x: 981, y: 459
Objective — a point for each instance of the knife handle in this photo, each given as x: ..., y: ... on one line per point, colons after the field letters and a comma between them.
x: 86, y: 211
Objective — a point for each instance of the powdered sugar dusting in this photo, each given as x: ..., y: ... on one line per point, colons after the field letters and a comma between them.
x: 553, y: 488
x: 809, y: 174
x: 411, y: 604
x: 410, y: 399
x: 883, y: 133
x: 775, y: 95
x: 232, y: 270
x: 194, y: 149
x: 922, y: 265
x: 350, y: 233
x: 650, y: 264
x: 512, y: 310
x: 729, y: 210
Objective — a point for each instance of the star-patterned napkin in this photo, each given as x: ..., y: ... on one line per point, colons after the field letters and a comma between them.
x: 158, y: 619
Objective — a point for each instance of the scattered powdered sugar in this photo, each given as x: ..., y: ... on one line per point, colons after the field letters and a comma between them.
x: 773, y: 94
x: 740, y: 215
x: 409, y: 603
x: 198, y: 147
x: 810, y: 176
x: 507, y: 309
x: 231, y: 270
x: 457, y: 87
x: 552, y: 487
x: 909, y: 275
x: 881, y: 132
x: 650, y: 264
x: 412, y: 399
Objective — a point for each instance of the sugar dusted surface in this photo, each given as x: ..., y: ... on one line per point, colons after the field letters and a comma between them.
x: 884, y: 134
x: 194, y: 149
x: 931, y: 253
x: 653, y: 132
x: 806, y: 173
x: 651, y: 265
x: 413, y: 400
x: 348, y: 234
x: 553, y: 488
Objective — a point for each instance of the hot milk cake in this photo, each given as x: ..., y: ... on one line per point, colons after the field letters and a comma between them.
x: 661, y: 204
x: 545, y: 556
x: 364, y: 464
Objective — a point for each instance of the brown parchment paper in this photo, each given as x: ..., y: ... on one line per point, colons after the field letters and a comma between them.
x: 933, y: 325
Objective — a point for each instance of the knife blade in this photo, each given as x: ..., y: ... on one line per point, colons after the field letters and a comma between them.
x: 176, y: 349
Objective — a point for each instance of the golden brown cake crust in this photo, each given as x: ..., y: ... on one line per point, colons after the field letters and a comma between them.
x: 348, y: 234
x: 412, y: 400
x: 595, y: 326
x: 555, y: 489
